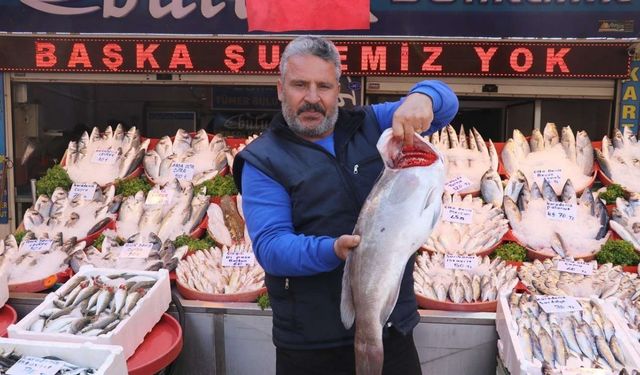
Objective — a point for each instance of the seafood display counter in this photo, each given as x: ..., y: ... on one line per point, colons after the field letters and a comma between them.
x: 235, y: 338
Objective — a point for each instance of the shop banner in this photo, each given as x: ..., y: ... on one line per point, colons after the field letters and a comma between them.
x: 525, y: 59
x: 433, y: 18
x: 4, y: 205
x: 629, y: 103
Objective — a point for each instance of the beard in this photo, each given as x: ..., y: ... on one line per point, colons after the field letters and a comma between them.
x: 291, y: 117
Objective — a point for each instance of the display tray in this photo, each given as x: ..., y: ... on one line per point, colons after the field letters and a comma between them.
x: 506, y: 237
x: 8, y: 316
x: 134, y: 174
x: 160, y: 347
x: 192, y: 294
x: 42, y: 284
x: 431, y: 304
x: 533, y: 254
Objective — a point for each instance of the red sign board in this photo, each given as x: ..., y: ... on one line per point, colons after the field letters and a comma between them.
x: 359, y: 57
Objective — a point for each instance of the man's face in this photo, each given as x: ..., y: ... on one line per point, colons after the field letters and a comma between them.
x: 309, y: 96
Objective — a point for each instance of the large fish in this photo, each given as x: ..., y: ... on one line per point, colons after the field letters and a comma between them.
x: 397, y: 218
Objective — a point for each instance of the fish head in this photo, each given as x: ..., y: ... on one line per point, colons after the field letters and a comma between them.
x: 59, y: 194
x: 32, y: 218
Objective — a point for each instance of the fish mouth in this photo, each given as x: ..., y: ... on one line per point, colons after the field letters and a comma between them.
x: 419, y: 155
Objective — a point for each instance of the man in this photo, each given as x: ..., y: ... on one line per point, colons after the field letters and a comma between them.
x: 303, y: 183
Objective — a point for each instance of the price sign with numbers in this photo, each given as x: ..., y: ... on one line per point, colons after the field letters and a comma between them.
x: 457, y: 184
x: 558, y: 304
x: 158, y: 197
x: 136, y: 250
x: 183, y: 171
x: 237, y: 258
x: 38, y: 245
x: 87, y: 191
x: 105, y: 156
x: 553, y: 175
x: 35, y: 366
x: 460, y: 262
x: 561, y: 211
x: 457, y: 214
x: 571, y: 266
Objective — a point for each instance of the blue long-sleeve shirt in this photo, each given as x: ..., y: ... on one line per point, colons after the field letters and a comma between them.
x: 267, y: 205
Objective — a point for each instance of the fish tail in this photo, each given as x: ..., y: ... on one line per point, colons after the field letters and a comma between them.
x: 369, y: 356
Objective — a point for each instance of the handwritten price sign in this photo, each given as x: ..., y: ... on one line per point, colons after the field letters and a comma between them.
x: 575, y: 267
x: 457, y: 214
x: 104, y: 156
x: 38, y: 245
x: 558, y: 304
x: 457, y: 184
x: 237, y: 258
x: 85, y: 190
x: 183, y: 171
x: 136, y: 250
x: 561, y: 211
x: 460, y: 262
x: 553, y: 176
x: 35, y: 366
x: 158, y: 197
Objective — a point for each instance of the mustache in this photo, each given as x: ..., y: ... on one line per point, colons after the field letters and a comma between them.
x: 308, y: 107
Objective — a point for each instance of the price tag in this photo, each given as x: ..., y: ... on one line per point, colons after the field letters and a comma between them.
x: 553, y: 176
x: 87, y: 191
x: 571, y: 266
x: 104, y: 156
x: 183, y: 171
x: 457, y: 184
x: 558, y: 304
x: 35, y: 366
x: 38, y: 245
x: 561, y: 211
x: 457, y: 214
x: 237, y: 258
x: 136, y: 250
x: 584, y: 371
x: 158, y: 197
x: 460, y: 262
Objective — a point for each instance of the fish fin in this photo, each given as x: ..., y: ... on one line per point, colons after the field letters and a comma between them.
x: 347, y: 308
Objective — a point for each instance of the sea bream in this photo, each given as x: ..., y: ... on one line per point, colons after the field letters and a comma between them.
x: 396, y: 219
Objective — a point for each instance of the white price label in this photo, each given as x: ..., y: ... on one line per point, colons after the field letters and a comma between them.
x: 35, y: 366
x: 105, y: 156
x: 558, y: 304
x: 136, y: 250
x: 237, y: 258
x: 460, y: 262
x: 584, y: 371
x: 158, y: 197
x: 457, y: 184
x: 86, y: 190
x: 553, y: 176
x: 561, y: 211
x: 183, y: 171
x: 457, y: 214
x: 38, y: 245
x: 571, y: 266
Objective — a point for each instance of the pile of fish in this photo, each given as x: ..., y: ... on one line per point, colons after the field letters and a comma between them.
x: 567, y: 156
x: 625, y: 219
x: 153, y: 254
x: 205, y: 272
x: 486, y: 229
x: 8, y: 358
x: 606, y: 281
x: 206, y: 159
x: 465, y: 156
x: 93, y: 306
x: 35, y: 259
x: 226, y: 221
x: 630, y: 311
x: 564, y: 341
x: 168, y: 212
x: 579, y: 233
x: 73, y: 217
x: 619, y: 159
x: 481, y: 284
x: 103, y: 158
x: 231, y: 154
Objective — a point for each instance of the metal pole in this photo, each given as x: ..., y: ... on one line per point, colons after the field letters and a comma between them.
x: 34, y: 195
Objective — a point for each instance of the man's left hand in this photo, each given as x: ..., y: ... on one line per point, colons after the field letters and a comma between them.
x: 413, y: 115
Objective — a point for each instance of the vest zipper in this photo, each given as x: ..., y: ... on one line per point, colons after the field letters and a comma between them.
x: 286, y: 283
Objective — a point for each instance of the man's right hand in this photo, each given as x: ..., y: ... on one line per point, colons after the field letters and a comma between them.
x: 344, y: 244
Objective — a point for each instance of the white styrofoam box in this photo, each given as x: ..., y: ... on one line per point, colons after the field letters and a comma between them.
x: 106, y: 359
x: 128, y: 334
x: 512, y: 353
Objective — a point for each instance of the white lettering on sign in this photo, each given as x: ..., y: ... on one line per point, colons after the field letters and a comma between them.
x: 38, y: 245
x: 237, y: 258
x: 561, y: 211
x: 457, y: 214
x: 136, y: 250
x: 87, y: 191
x: 158, y: 197
x: 558, y: 304
x: 35, y: 366
x: 183, y: 171
x: 553, y: 176
x: 571, y: 266
x: 104, y: 156
x: 460, y: 262
x: 457, y: 184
